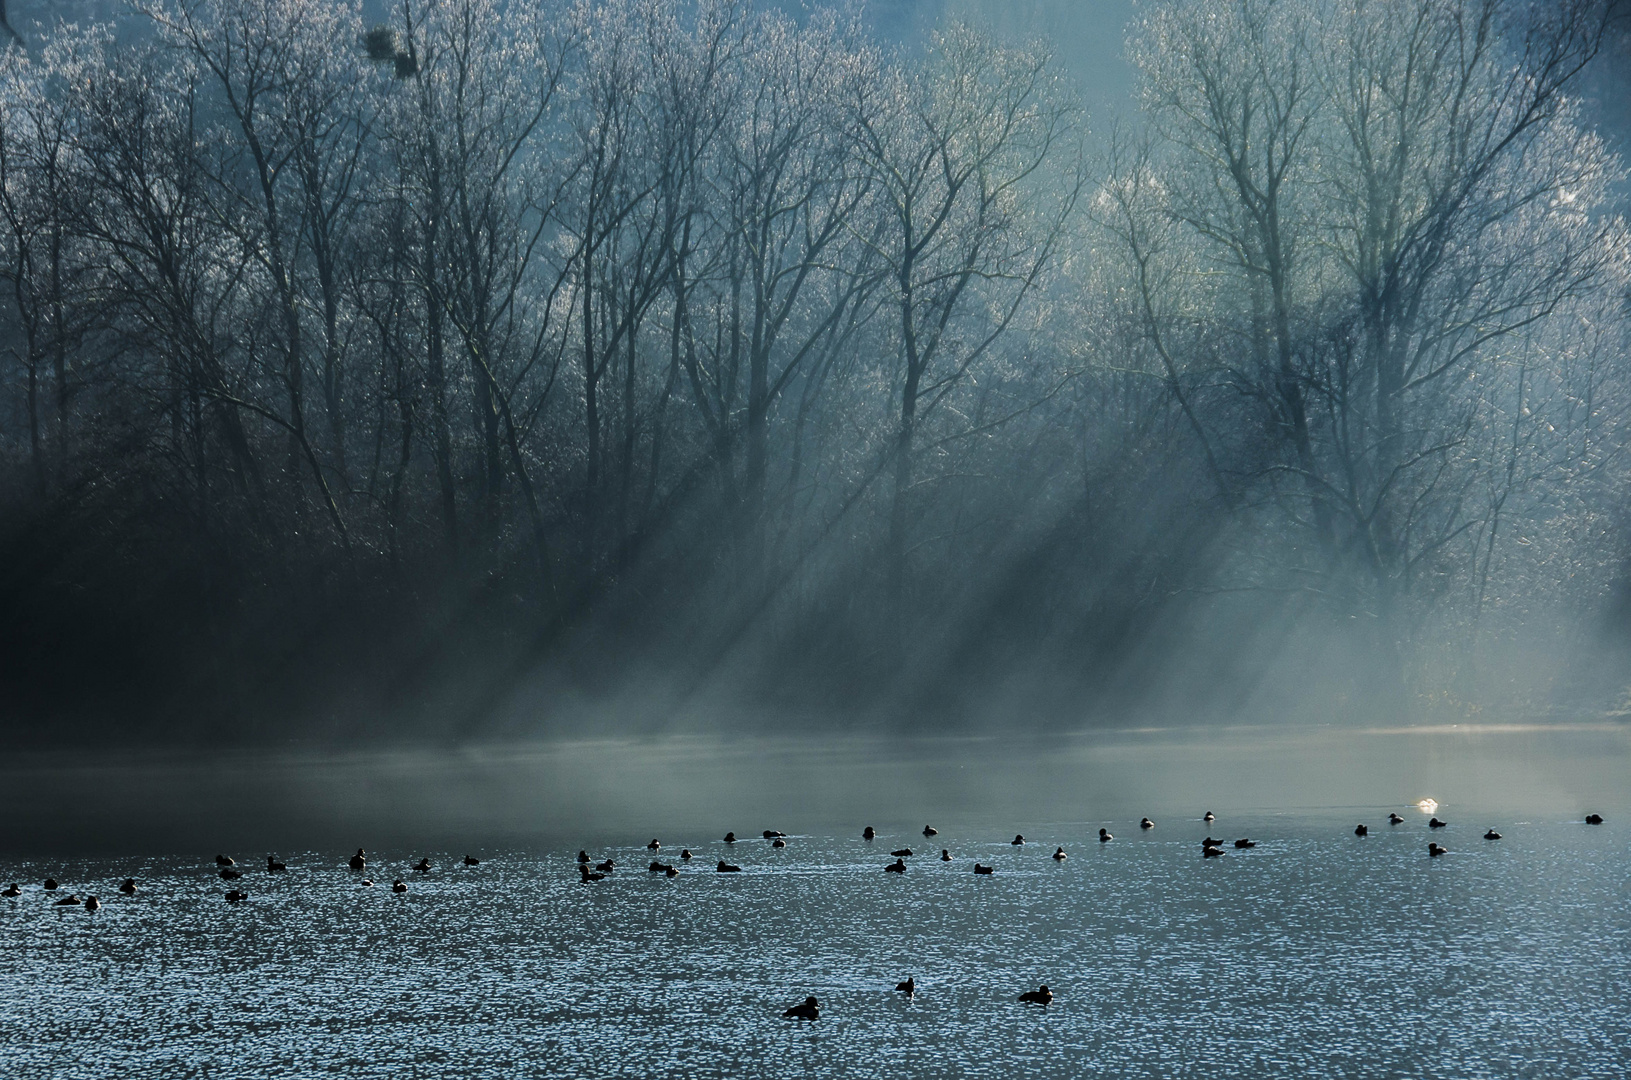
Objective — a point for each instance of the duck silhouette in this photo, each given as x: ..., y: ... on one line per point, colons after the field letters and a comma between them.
x: 92, y: 903
x: 896, y: 867
x: 1145, y: 823
x: 902, y: 853
x: 606, y: 867
x: 778, y: 843
x: 1361, y: 830
x: 909, y: 987
x: 1040, y: 996
x: 1104, y: 836
x: 772, y: 834
x: 468, y: 861
x: 367, y: 883
x: 671, y: 872
x: 585, y: 874
x: 930, y: 830
x: 809, y: 1010
x: 128, y: 887
x: 1210, y: 852
x: 359, y: 861
x: 945, y: 855
x: 685, y: 853
x: 978, y: 869
x: 273, y: 866
x: 234, y: 896
x: 1211, y: 842
x: 1018, y: 840
x: 659, y: 867
x: 869, y: 833
x: 583, y: 858
x: 398, y: 886
x: 1245, y: 843
x: 422, y: 866
x: 1394, y: 819
x: 654, y: 845
x: 225, y: 860
x: 11, y: 890
x: 1492, y: 835
x: 1436, y: 850
x: 229, y: 874
x: 72, y: 899
x: 726, y: 868
x: 1435, y: 823
x: 1209, y: 817
x: 1059, y: 855
x: 730, y: 838
x: 1594, y: 819
x: 50, y: 884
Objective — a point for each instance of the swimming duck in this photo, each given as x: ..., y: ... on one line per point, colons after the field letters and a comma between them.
x: 1059, y: 855
x: 978, y: 869
x: 902, y: 853
x: 92, y: 903
x: 398, y: 886
x: 772, y: 834
x: 1210, y: 842
x: 1145, y: 823
x: 726, y: 868
x: 1018, y: 840
x: 1209, y: 817
x: 869, y: 833
x: 1435, y: 850
x: 945, y: 855
x: 229, y: 874
x: 50, y: 884
x: 359, y: 861
x: 810, y: 1010
x: 584, y: 872
x: 671, y: 872
x: 71, y: 898
x: 1039, y: 996
x: 778, y: 843
x: 685, y: 853
x: 224, y: 860
x: 654, y: 845
x: 1361, y: 830
x: 659, y: 868
x: 273, y: 866
x: 1594, y: 819
x: 12, y: 890
x: 896, y: 867
x: 368, y: 883
x: 909, y: 987
x: 468, y: 861
x: 129, y: 887
x: 583, y: 858
x: 1211, y: 852
x: 1395, y: 819
x: 422, y: 866
x: 606, y: 867
x: 1492, y: 835
x: 930, y: 830
x: 1104, y: 836
x: 1435, y: 823
x: 1245, y: 843
x: 235, y: 897
x: 730, y: 838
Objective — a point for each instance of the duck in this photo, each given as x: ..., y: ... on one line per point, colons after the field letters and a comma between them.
x: 772, y: 834
x: 809, y: 1010
x: 896, y: 867
x: 945, y: 855
x: 11, y: 890
x: 1594, y: 819
x: 583, y: 858
x: 1361, y: 830
x: 422, y: 866
x: 1211, y: 852
x: 659, y: 868
x: 128, y: 887
x: 909, y: 987
x: 1435, y: 823
x: 1245, y: 843
x: 671, y: 872
x: 50, y: 884
x: 606, y: 867
x: 727, y: 868
x: 869, y: 833
x: 225, y: 860
x: 585, y: 873
x: 368, y: 883
x: 1145, y: 823
x: 902, y: 853
x: 1492, y: 835
x: 359, y: 861
x: 1104, y: 836
x: 930, y: 830
x: 1394, y: 819
x: 469, y: 861
x: 273, y: 866
x: 778, y: 843
x: 1435, y: 850
x: 654, y: 845
x: 229, y: 874
x: 235, y: 897
x: 92, y: 903
x: 1018, y: 840
x: 1209, y: 817
x: 978, y: 869
x: 730, y: 838
x: 685, y: 853
x: 70, y: 899
x: 1210, y: 842
x: 1040, y: 996
x: 398, y: 886
x: 1059, y: 855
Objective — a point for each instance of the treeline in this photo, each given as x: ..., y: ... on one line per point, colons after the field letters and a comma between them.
x: 528, y: 365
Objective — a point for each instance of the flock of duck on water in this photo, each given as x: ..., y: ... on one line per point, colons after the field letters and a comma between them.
x: 810, y: 1008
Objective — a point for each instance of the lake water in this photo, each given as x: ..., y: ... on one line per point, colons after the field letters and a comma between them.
x: 1315, y: 954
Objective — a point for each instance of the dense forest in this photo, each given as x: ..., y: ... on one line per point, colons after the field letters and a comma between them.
x: 504, y: 368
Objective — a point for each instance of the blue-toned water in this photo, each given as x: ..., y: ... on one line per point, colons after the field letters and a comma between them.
x: 1315, y: 954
